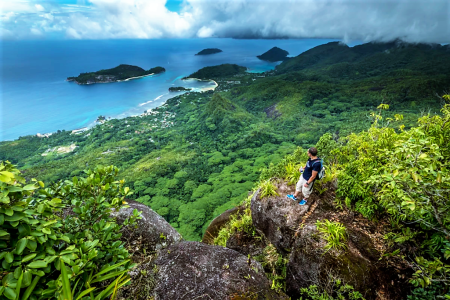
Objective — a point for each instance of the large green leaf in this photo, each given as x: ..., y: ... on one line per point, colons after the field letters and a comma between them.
x: 9, y: 257
x: 19, y: 285
x: 46, y: 231
x: 27, y: 276
x: 20, y: 246
x: 15, y: 216
x: 38, y: 264
x: 10, y: 293
x: 17, y: 272
x: 29, y: 187
x: 32, y: 245
x: 13, y: 189
x: 30, y: 289
x: 6, y: 176
x: 65, y: 282
x: 29, y: 257
x: 24, y: 230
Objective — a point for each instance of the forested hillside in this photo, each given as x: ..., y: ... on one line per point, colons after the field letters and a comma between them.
x: 200, y: 153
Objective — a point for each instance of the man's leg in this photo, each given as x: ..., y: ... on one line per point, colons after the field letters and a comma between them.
x: 299, y: 187
x: 306, y: 191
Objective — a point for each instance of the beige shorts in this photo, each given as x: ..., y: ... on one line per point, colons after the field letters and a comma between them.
x: 306, y: 191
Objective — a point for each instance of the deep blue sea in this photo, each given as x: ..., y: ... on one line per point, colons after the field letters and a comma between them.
x: 35, y: 96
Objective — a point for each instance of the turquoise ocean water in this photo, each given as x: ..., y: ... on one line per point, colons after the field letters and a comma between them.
x: 35, y: 96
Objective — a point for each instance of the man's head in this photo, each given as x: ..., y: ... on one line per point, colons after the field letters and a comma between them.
x: 312, y: 152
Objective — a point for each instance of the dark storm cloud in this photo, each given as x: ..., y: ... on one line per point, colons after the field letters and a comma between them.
x: 414, y: 21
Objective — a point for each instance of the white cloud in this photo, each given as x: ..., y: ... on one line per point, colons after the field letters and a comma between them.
x: 421, y: 20
x: 39, y: 7
x: 36, y: 31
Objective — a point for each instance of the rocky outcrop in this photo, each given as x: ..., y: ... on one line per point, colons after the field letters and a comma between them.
x: 278, y: 217
x: 192, y: 270
x: 152, y: 231
x: 292, y: 229
x: 310, y: 264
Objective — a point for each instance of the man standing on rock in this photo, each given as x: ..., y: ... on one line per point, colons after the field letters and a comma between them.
x: 309, y: 174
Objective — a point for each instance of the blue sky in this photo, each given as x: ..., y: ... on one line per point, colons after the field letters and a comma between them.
x: 174, y: 5
x: 414, y: 21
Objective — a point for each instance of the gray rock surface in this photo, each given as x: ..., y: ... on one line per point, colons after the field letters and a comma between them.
x: 278, y: 217
x: 192, y: 270
x: 310, y: 264
x: 152, y: 231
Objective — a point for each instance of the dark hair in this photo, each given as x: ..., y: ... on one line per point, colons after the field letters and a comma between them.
x: 313, y: 151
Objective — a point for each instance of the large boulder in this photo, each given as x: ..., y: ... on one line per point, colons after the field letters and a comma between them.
x: 192, y: 270
x: 152, y: 231
x: 278, y: 217
x: 309, y: 264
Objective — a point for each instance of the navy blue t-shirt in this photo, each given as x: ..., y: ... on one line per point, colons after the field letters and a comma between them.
x: 311, y: 166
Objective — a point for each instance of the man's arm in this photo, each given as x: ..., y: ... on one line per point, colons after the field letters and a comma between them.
x: 313, y: 176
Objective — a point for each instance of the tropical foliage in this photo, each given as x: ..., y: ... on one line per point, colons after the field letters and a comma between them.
x: 404, y: 175
x: 62, y: 235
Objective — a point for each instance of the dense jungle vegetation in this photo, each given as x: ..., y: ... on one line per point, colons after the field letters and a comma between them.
x: 201, y: 153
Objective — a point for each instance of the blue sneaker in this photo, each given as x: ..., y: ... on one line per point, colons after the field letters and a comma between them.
x: 303, y: 202
x: 292, y: 197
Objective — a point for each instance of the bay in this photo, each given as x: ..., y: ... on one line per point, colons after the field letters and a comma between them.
x: 35, y: 96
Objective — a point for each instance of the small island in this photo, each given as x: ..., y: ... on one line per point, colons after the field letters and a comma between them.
x: 273, y: 55
x: 178, y: 89
x: 209, y: 51
x: 224, y: 70
x: 119, y: 73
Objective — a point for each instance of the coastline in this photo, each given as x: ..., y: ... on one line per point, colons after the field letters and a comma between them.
x: 139, y: 114
x: 204, y: 80
x: 131, y: 78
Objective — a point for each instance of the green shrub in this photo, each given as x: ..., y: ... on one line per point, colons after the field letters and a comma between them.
x: 267, y: 189
x: 339, y: 291
x: 334, y: 233
x: 432, y: 292
x: 292, y: 173
x: 276, y: 265
x: 242, y: 223
x: 37, y: 235
x: 404, y: 174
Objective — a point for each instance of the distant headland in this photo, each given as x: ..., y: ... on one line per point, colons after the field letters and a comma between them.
x: 274, y: 54
x: 119, y: 73
x: 209, y: 51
